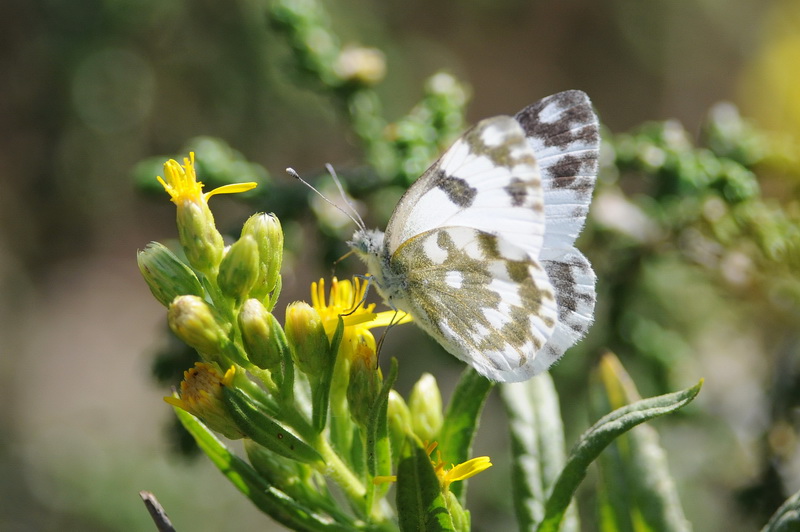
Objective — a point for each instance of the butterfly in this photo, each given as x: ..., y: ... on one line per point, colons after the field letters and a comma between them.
x: 480, y: 249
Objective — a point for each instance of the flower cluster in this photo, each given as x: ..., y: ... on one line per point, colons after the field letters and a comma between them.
x: 308, y: 396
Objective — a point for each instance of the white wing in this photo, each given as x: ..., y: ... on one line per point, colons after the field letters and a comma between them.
x: 488, y: 180
x: 485, y: 300
x: 564, y: 133
x: 480, y: 250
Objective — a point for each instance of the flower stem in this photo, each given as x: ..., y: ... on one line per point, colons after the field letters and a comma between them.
x: 337, y: 470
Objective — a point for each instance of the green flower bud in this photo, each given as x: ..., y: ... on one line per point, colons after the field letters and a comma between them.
x: 399, y: 418
x: 307, y: 339
x: 202, y: 396
x: 199, y: 237
x: 267, y: 232
x: 262, y: 335
x: 166, y: 275
x: 193, y: 321
x: 460, y: 516
x: 425, y: 404
x: 239, y: 269
x: 365, y: 380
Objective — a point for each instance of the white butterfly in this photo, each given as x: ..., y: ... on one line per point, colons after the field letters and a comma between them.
x: 480, y: 250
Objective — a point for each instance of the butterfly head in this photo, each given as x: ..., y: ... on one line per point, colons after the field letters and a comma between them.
x: 367, y: 242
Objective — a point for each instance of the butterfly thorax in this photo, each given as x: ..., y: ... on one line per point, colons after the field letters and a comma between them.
x: 370, y: 246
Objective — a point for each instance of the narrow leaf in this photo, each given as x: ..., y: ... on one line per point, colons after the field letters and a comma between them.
x: 420, y: 502
x: 636, y: 488
x: 321, y: 393
x: 269, y: 500
x: 787, y: 518
x: 265, y: 431
x: 461, y: 421
x: 597, y: 438
x: 379, y: 460
x: 537, y: 443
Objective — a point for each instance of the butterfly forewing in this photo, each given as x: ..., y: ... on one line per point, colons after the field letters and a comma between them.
x: 487, y: 180
x: 563, y: 132
x: 484, y: 299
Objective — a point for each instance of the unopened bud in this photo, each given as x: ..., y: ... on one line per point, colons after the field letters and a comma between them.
x: 198, y: 234
x: 364, y: 66
x: 399, y: 418
x: 193, y: 321
x: 425, y: 404
x: 307, y: 339
x: 239, y: 269
x: 166, y: 275
x: 262, y: 335
x: 201, y: 396
x: 267, y: 232
x: 460, y: 516
x: 365, y: 380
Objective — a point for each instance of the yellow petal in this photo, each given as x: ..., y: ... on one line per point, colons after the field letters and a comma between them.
x: 468, y: 469
x: 233, y: 188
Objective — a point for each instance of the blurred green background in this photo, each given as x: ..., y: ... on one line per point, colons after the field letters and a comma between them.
x: 92, y: 88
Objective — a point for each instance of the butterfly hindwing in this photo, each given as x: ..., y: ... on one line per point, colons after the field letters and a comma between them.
x: 483, y: 298
x: 488, y: 178
x: 574, y: 280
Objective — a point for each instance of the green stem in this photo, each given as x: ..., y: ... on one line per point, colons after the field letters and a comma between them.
x: 340, y: 473
x: 266, y: 378
x: 369, y: 498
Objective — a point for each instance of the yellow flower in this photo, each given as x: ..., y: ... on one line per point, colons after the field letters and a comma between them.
x: 201, y: 396
x: 347, y: 299
x: 182, y: 185
x: 197, y: 232
x: 462, y: 471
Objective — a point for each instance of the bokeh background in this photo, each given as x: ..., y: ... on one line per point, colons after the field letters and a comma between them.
x: 91, y: 88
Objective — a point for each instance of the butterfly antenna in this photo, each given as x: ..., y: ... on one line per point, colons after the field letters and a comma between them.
x: 357, y: 221
x: 342, y: 193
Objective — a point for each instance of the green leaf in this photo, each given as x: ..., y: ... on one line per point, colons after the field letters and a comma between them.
x: 787, y: 518
x: 379, y: 460
x: 461, y: 421
x: 420, y: 502
x: 597, y: 438
x: 267, y: 498
x: 537, y: 444
x: 322, y: 391
x: 636, y: 487
x: 378, y: 454
x: 265, y: 431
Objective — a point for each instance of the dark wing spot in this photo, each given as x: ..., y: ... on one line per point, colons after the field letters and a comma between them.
x: 563, y: 279
x: 488, y: 245
x: 458, y: 190
x: 575, y: 111
x: 517, y: 189
x: 518, y: 271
